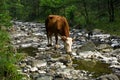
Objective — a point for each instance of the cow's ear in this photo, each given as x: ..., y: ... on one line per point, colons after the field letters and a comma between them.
x: 64, y: 38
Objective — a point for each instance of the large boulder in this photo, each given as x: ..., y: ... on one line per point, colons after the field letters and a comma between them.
x: 104, y: 48
x: 88, y: 46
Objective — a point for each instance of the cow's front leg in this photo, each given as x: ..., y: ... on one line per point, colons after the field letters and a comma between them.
x: 49, y: 37
x: 56, y: 44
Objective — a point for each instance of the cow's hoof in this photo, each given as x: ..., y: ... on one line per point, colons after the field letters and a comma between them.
x: 49, y: 45
x: 57, y: 46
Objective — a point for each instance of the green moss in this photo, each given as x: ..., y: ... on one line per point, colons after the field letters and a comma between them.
x: 98, y: 68
x: 28, y: 50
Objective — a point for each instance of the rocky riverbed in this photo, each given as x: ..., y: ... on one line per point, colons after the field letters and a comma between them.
x: 95, y: 55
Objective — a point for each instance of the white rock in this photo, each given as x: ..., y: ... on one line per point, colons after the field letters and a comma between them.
x: 89, y: 54
x: 102, y: 35
x: 58, y: 65
x: 41, y: 71
x: 33, y: 69
x: 115, y: 66
x: 65, y: 73
x: 26, y: 45
x: 39, y: 63
x: 37, y: 34
x: 73, y: 53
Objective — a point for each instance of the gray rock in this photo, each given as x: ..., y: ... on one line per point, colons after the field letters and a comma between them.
x: 104, y: 48
x: 45, y: 78
x: 108, y: 77
x: 89, y: 46
x: 39, y: 63
x: 97, y: 31
x: 33, y: 69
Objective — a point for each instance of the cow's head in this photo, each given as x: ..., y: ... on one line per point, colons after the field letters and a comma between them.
x: 67, y: 44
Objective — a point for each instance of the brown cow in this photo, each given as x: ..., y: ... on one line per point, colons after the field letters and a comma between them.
x: 58, y: 25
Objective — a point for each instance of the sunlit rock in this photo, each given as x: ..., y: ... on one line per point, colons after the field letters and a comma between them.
x: 89, y: 55
x: 57, y: 65
x: 41, y: 71
x: 25, y: 45
x: 104, y: 48
x: 33, y: 69
x: 39, y: 63
x: 45, y: 78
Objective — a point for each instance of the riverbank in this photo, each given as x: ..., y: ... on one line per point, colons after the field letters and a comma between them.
x: 96, y: 51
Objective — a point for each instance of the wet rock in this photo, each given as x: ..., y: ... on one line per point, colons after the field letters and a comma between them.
x: 97, y: 31
x: 101, y: 36
x: 116, y: 53
x: 33, y: 69
x: 34, y: 76
x: 41, y: 72
x: 39, y: 63
x: 115, y: 42
x: 110, y: 60
x: 108, y: 77
x: 89, y: 55
x: 26, y: 45
x: 57, y: 65
x: 104, y: 48
x: 45, y: 78
x: 67, y: 60
x: 71, y: 74
x: 88, y: 46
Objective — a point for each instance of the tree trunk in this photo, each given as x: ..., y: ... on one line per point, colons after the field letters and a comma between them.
x: 111, y: 10
x: 98, y: 10
x: 86, y: 12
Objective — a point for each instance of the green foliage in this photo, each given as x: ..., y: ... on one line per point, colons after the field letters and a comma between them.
x: 87, y: 13
x: 70, y: 14
x: 112, y: 28
x: 8, y: 59
x: 5, y: 20
x: 51, y: 3
x: 52, y: 6
x: 8, y: 71
x: 3, y: 37
x: 4, y: 14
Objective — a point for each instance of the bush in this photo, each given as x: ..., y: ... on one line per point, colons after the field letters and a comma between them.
x: 8, y: 68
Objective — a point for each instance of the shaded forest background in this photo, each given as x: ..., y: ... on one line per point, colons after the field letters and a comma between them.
x: 103, y: 14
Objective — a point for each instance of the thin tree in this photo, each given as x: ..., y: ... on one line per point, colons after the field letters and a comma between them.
x: 111, y: 10
x: 86, y: 12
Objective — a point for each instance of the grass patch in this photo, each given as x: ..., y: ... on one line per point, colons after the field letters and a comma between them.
x: 8, y: 59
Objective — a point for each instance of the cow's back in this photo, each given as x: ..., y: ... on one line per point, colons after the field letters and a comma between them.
x: 57, y: 24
